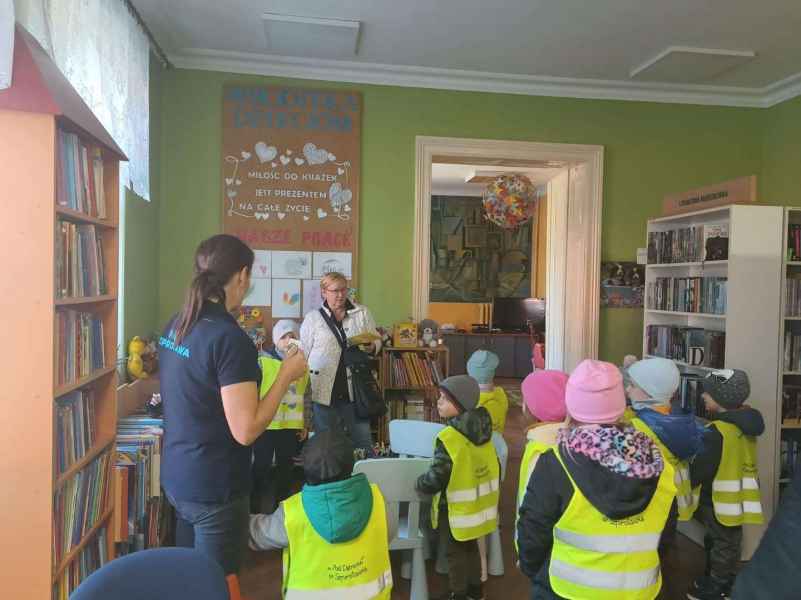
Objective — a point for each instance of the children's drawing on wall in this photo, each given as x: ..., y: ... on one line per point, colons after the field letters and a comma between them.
x: 261, y: 264
x: 622, y: 284
x: 286, y: 299
x: 259, y: 293
x: 333, y: 262
x: 291, y: 265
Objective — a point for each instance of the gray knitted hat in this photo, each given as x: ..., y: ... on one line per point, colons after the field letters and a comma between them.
x: 463, y: 390
x: 728, y: 387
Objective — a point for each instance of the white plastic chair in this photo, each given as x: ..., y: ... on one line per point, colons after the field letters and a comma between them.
x: 413, y: 438
x: 396, y: 477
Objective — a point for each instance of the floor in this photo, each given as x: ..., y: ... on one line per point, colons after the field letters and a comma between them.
x: 261, y: 574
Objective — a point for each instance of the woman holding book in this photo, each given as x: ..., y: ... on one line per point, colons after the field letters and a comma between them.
x: 323, y: 335
x: 210, y: 380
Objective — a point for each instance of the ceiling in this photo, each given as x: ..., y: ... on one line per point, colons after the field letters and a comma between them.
x: 449, y: 179
x: 542, y: 47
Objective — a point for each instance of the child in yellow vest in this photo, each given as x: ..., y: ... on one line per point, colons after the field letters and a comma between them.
x: 725, y: 478
x: 544, y: 400
x: 652, y: 382
x: 287, y: 429
x: 481, y: 366
x: 464, y: 477
x: 596, y: 503
x: 335, y: 532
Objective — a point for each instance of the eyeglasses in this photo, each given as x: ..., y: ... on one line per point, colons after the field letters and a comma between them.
x: 722, y: 375
x: 342, y: 290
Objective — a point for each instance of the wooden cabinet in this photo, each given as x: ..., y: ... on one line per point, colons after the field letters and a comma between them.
x: 513, y: 350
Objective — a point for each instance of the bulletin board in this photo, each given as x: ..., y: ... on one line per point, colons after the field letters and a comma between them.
x: 290, y: 166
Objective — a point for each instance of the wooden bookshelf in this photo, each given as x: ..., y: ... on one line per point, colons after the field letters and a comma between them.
x: 754, y: 263
x: 39, y: 104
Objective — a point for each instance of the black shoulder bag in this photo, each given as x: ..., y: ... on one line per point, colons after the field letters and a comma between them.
x: 367, y: 399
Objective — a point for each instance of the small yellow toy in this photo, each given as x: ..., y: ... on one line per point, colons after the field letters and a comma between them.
x: 136, y: 366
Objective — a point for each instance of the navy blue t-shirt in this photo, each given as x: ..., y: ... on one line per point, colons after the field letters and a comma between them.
x: 201, y: 461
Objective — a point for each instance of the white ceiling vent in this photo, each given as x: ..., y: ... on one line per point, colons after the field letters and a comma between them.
x: 311, y: 36
x: 684, y: 64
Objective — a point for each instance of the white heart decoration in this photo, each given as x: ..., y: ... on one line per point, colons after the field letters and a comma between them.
x: 321, y: 214
x: 274, y: 165
x: 261, y: 216
x: 340, y: 170
x: 299, y: 161
x: 289, y: 152
x: 245, y: 155
x: 265, y: 152
x: 281, y: 216
x: 228, y: 181
x: 331, y: 157
x: 339, y: 197
x: 232, y: 193
x: 347, y: 208
x: 315, y: 155
x: 284, y: 160
x: 305, y: 217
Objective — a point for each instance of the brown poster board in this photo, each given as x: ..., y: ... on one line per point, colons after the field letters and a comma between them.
x: 290, y: 189
x: 734, y: 191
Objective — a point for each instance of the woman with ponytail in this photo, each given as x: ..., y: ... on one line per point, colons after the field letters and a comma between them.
x: 210, y: 379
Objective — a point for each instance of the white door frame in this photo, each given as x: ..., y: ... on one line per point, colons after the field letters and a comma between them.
x: 574, y: 236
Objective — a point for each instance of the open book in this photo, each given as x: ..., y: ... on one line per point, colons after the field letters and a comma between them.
x: 363, y: 338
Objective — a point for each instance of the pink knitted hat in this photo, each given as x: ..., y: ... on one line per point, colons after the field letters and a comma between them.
x: 594, y: 393
x: 544, y: 395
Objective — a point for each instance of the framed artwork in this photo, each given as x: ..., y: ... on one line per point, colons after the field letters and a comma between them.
x: 405, y: 335
x: 622, y: 284
x: 475, y: 236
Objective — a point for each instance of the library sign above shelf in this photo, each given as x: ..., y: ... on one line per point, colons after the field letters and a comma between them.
x: 734, y: 191
x: 290, y: 189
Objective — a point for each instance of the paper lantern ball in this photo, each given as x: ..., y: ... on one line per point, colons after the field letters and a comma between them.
x: 509, y: 201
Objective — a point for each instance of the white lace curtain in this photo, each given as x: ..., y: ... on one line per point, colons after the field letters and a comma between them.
x: 104, y: 53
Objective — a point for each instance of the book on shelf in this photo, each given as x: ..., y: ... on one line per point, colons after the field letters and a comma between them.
x: 79, y: 504
x: 695, y: 346
x: 75, y: 427
x: 792, y: 297
x: 137, y: 474
x: 688, y: 294
x: 792, y: 351
x: 793, y: 242
x: 788, y: 457
x: 80, y: 268
x: 688, y: 396
x: 413, y: 369
x: 93, y: 556
x: 791, y: 405
x: 79, y: 176
x: 716, y: 241
x: 676, y: 245
x: 79, y: 345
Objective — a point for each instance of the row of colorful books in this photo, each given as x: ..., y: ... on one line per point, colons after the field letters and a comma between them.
x: 794, y: 242
x: 692, y: 345
x: 688, y: 294
x: 79, y: 176
x: 79, y: 504
x: 409, y: 369
x: 139, y: 504
x: 792, y: 304
x: 79, y: 345
x: 93, y: 556
x: 687, y: 244
x: 688, y: 396
x: 75, y: 427
x: 792, y: 351
x: 80, y: 266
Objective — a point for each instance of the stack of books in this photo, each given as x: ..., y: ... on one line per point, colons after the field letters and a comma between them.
x: 688, y: 294
x: 407, y: 405
x: 80, y: 270
x: 75, y: 427
x: 79, y: 345
x: 79, y: 504
x: 139, y: 504
x: 695, y: 346
x: 412, y: 370
x: 79, y: 176
x: 93, y: 556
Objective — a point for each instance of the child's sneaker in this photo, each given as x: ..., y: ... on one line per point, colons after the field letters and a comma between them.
x: 704, y: 588
x: 475, y: 592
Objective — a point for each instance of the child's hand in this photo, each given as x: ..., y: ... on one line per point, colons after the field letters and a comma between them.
x: 302, y: 434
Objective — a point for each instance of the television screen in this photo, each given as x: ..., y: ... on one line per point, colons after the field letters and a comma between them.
x: 515, y: 314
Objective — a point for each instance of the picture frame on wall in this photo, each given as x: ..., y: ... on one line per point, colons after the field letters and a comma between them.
x: 475, y: 236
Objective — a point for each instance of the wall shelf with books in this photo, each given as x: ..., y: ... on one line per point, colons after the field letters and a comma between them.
x: 702, y: 312
x: 62, y: 168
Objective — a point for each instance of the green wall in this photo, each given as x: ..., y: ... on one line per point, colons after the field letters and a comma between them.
x: 650, y: 149
x: 781, y: 155
x: 140, y: 308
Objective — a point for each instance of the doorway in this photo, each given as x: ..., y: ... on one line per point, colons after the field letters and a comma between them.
x: 574, y: 195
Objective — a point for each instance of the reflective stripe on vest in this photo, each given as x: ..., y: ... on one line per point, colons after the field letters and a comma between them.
x: 595, y: 557
x: 735, y: 489
x: 527, y: 464
x: 684, y: 492
x: 290, y: 411
x: 355, y: 570
x: 472, y: 491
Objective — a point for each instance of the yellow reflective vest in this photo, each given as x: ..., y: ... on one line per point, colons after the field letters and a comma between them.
x: 686, y: 500
x: 598, y: 558
x: 290, y: 412
x: 497, y: 404
x: 735, y: 490
x: 472, y: 491
x: 527, y: 464
x: 315, y: 569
